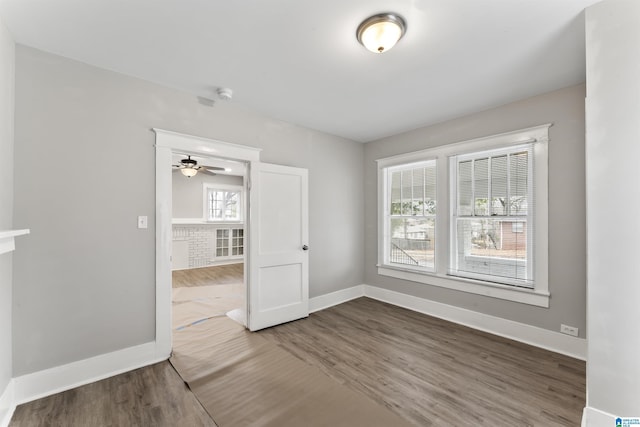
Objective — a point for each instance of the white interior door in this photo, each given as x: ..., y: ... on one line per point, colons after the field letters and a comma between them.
x: 278, y: 239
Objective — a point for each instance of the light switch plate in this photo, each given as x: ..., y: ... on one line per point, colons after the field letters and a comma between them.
x: 142, y: 221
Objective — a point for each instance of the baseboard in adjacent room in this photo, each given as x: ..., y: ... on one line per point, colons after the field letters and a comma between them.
x: 44, y: 383
x: 543, y: 338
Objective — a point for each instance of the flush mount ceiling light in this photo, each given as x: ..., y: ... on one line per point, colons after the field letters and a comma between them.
x: 225, y: 93
x: 381, y: 32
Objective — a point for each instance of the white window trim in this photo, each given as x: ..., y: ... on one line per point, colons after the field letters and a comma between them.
x: 539, y: 295
x: 206, y: 186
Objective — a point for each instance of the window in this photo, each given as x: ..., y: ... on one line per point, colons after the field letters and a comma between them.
x: 229, y: 242
x: 237, y: 241
x: 490, y: 218
x: 411, y: 216
x: 223, y: 204
x: 222, y: 243
x: 494, y: 205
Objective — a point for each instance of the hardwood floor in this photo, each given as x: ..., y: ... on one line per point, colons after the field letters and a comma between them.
x: 428, y: 371
x: 206, y: 276
x: 150, y: 396
x: 437, y: 373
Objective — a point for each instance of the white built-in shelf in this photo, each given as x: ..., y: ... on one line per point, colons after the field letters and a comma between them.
x: 198, y: 221
x: 7, y: 244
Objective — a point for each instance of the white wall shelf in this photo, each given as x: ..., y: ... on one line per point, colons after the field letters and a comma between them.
x: 7, y: 243
x: 200, y: 221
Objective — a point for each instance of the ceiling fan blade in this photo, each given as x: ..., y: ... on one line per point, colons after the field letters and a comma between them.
x: 207, y: 171
x: 213, y: 168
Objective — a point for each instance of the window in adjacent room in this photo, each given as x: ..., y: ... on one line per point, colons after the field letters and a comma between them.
x: 229, y: 242
x: 223, y: 204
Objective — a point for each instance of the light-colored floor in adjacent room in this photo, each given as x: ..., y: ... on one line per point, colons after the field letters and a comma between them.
x: 206, y: 276
x: 202, y: 293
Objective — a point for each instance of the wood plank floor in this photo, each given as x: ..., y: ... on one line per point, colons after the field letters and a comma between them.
x: 206, y: 276
x: 428, y: 371
x: 436, y: 373
x: 150, y: 396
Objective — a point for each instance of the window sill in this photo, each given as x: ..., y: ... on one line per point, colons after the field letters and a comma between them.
x: 224, y: 222
x: 220, y: 259
x: 478, y: 287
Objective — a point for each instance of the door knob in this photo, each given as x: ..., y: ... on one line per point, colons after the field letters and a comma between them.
x: 305, y: 248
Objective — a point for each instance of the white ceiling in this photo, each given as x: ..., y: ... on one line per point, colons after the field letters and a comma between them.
x: 299, y: 61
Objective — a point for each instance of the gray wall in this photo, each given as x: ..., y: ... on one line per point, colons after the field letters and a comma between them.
x: 84, y: 280
x: 7, y: 62
x: 567, y: 262
x: 187, y: 192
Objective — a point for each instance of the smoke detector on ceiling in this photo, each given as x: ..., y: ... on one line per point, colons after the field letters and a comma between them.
x: 225, y: 93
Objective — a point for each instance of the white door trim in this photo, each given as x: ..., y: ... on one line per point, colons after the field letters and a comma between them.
x: 166, y: 143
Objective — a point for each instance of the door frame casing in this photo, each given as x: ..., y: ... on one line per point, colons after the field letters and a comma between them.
x: 168, y: 142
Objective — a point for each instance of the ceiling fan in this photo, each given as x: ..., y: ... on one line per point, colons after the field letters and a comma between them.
x: 189, y: 167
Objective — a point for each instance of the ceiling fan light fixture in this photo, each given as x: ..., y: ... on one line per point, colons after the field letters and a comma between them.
x: 189, y: 172
x: 381, y: 32
x: 188, y: 162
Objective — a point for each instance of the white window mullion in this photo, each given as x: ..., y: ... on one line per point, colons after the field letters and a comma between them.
x: 531, y: 243
x: 473, y: 188
x: 387, y: 214
x: 508, y: 210
x: 489, y: 185
x: 424, y: 192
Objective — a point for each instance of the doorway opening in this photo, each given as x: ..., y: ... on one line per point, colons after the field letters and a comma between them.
x: 274, y: 237
x: 208, y: 239
x: 168, y: 143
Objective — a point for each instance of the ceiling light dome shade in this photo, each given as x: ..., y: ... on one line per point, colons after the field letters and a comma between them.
x: 189, y: 172
x: 379, y: 33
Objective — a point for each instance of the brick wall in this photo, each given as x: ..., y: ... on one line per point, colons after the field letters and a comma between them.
x: 201, y: 240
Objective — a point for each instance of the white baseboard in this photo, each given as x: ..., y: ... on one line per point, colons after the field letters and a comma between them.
x: 60, y: 378
x: 544, y: 338
x: 592, y: 417
x: 213, y: 263
x: 7, y: 404
x: 334, y: 298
